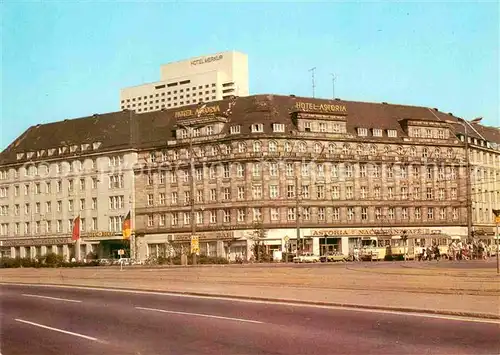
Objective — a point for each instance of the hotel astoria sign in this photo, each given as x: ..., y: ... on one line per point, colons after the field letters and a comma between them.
x: 35, y: 241
x: 320, y: 108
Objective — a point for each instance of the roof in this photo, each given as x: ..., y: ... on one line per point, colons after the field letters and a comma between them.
x: 129, y: 130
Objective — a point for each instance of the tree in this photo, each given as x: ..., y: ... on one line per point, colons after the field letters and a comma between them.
x: 257, y: 237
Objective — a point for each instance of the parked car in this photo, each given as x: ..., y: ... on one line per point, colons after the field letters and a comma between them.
x: 332, y: 257
x: 306, y: 258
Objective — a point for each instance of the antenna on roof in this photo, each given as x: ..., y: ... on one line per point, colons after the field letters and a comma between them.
x: 333, y: 85
x: 312, y: 74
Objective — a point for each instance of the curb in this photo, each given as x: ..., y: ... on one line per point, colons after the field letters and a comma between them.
x: 280, y: 300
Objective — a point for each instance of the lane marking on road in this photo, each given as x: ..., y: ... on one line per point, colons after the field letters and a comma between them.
x: 271, y: 302
x: 59, y: 330
x: 52, y: 298
x: 200, y: 315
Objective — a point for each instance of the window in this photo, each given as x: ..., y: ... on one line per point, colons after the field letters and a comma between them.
x: 364, y: 213
x: 187, y: 197
x: 306, y: 213
x: 288, y: 147
x: 94, y: 203
x: 162, y: 220
x: 377, y: 132
x: 335, y: 193
x: 305, y: 191
x: 302, y: 147
x: 257, y: 128
x: 390, y: 171
x: 442, y: 213
x: 241, y: 215
x: 227, y: 193
x: 430, y: 213
x: 390, y: 192
x: 241, y: 147
x: 318, y: 148
x: 335, y: 171
x: 26, y: 189
x: 350, y: 213
x: 150, y: 179
x: 116, y: 181
x: 213, y: 216
x: 335, y: 213
x: 307, y: 126
x: 94, y: 183
x: 376, y: 192
x: 321, y: 213
x: 404, y: 193
x: 70, y: 205
x: 454, y: 213
x: 290, y: 191
x: 273, y: 147
x: 392, y: 133
x: 429, y: 193
x: 227, y: 216
x: 416, y: 172
x: 240, y: 170
x: 150, y: 199
x: 187, y: 218
x: 274, y: 214
x: 162, y: 198
x: 59, y: 226
x: 235, y: 129
x: 425, y: 153
x: 320, y: 168
x: 349, y: 171
x: 349, y: 192
x: 257, y: 214
x: 320, y: 192
x: 453, y: 193
x: 304, y: 169
x: 82, y: 204
x: 404, y: 213
x: 37, y: 188
x: 418, y: 212
x: 291, y: 215
x: 390, y: 213
x: 257, y: 192
x: 441, y: 193
x: 278, y: 127
x: 199, y: 217
x: 273, y: 169
x: 362, y: 132
x: 241, y: 192
x: 256, y: 170
x: 403, y: 171
x: 94, y: 223
x: 289, y: 169
x: 48, y: 207
x: 362, y: 170
x: 378, y: 213
x: 363, y: 192
x: 453, y: 173
x: 273, y: 191
x: 162, y: 176
x: 257, y: 147
x: 151, y: 220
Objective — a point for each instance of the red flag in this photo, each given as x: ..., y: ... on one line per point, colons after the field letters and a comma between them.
x: 126, y: 227
x: 76, y: 228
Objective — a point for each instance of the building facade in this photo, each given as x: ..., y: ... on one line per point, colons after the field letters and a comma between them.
x: 283, y: 171
x: 202, y: 79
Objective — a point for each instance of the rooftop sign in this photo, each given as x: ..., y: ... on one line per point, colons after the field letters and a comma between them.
x: 208, y: 110
x: 320, y: 108
x: 204, y: 60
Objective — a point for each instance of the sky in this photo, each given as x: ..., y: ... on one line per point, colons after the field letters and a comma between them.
x: 70, y: 59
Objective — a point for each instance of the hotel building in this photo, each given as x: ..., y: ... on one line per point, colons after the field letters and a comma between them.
x: 264, y: 167
x: 202, y: 79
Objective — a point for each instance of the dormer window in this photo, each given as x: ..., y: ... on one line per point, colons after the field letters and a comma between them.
x: 416, y: 132
x: 84, y: 147
x: 377, y: 132
x: 96, y: 145
x: 196, y: 132
x: 62, y: 150
x: 183, y: 133
x: 278, y: 127
x: 51, y: 151
x: 362, y: 132
x: 73, y: 148
x: 392, y: 133
x: 210, y: 130
x: 235, y: 129
x: 441, y: 134
x: 257, y: 128
x: 40, y: 153
x: 475, y: 142
x: 307, y: 126
x: 30, y: 154
x: 152, y: 157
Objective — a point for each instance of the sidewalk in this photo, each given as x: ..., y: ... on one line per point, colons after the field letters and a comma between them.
x: 460, y: 292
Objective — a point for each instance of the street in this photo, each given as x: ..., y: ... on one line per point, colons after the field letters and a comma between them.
x: 55, y: 320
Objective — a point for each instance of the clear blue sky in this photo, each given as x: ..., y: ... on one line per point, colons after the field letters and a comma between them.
x: 65, y: 60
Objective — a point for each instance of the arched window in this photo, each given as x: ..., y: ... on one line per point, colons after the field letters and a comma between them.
x: 373, y: 150
x: 288, y: 147
x: 242, y: 148
x: 425, y: 153
x: 257, y: 147
x: 332, y: 148
x: 318, y: 148
x: 273, y: 146
x: 437, y: 153
x: 302, y: 147
x: 359, y: 149
x: 345, y: 149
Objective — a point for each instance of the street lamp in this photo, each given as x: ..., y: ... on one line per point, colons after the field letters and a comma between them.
x: 497, y: 222
x: 466, y: 124
x: 199, y: 110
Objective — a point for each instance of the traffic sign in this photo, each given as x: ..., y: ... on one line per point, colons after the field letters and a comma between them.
x: 287, y: 238
x: 195, y: 244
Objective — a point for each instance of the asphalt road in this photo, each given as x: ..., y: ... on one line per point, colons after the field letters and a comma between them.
x: 52, y: 320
